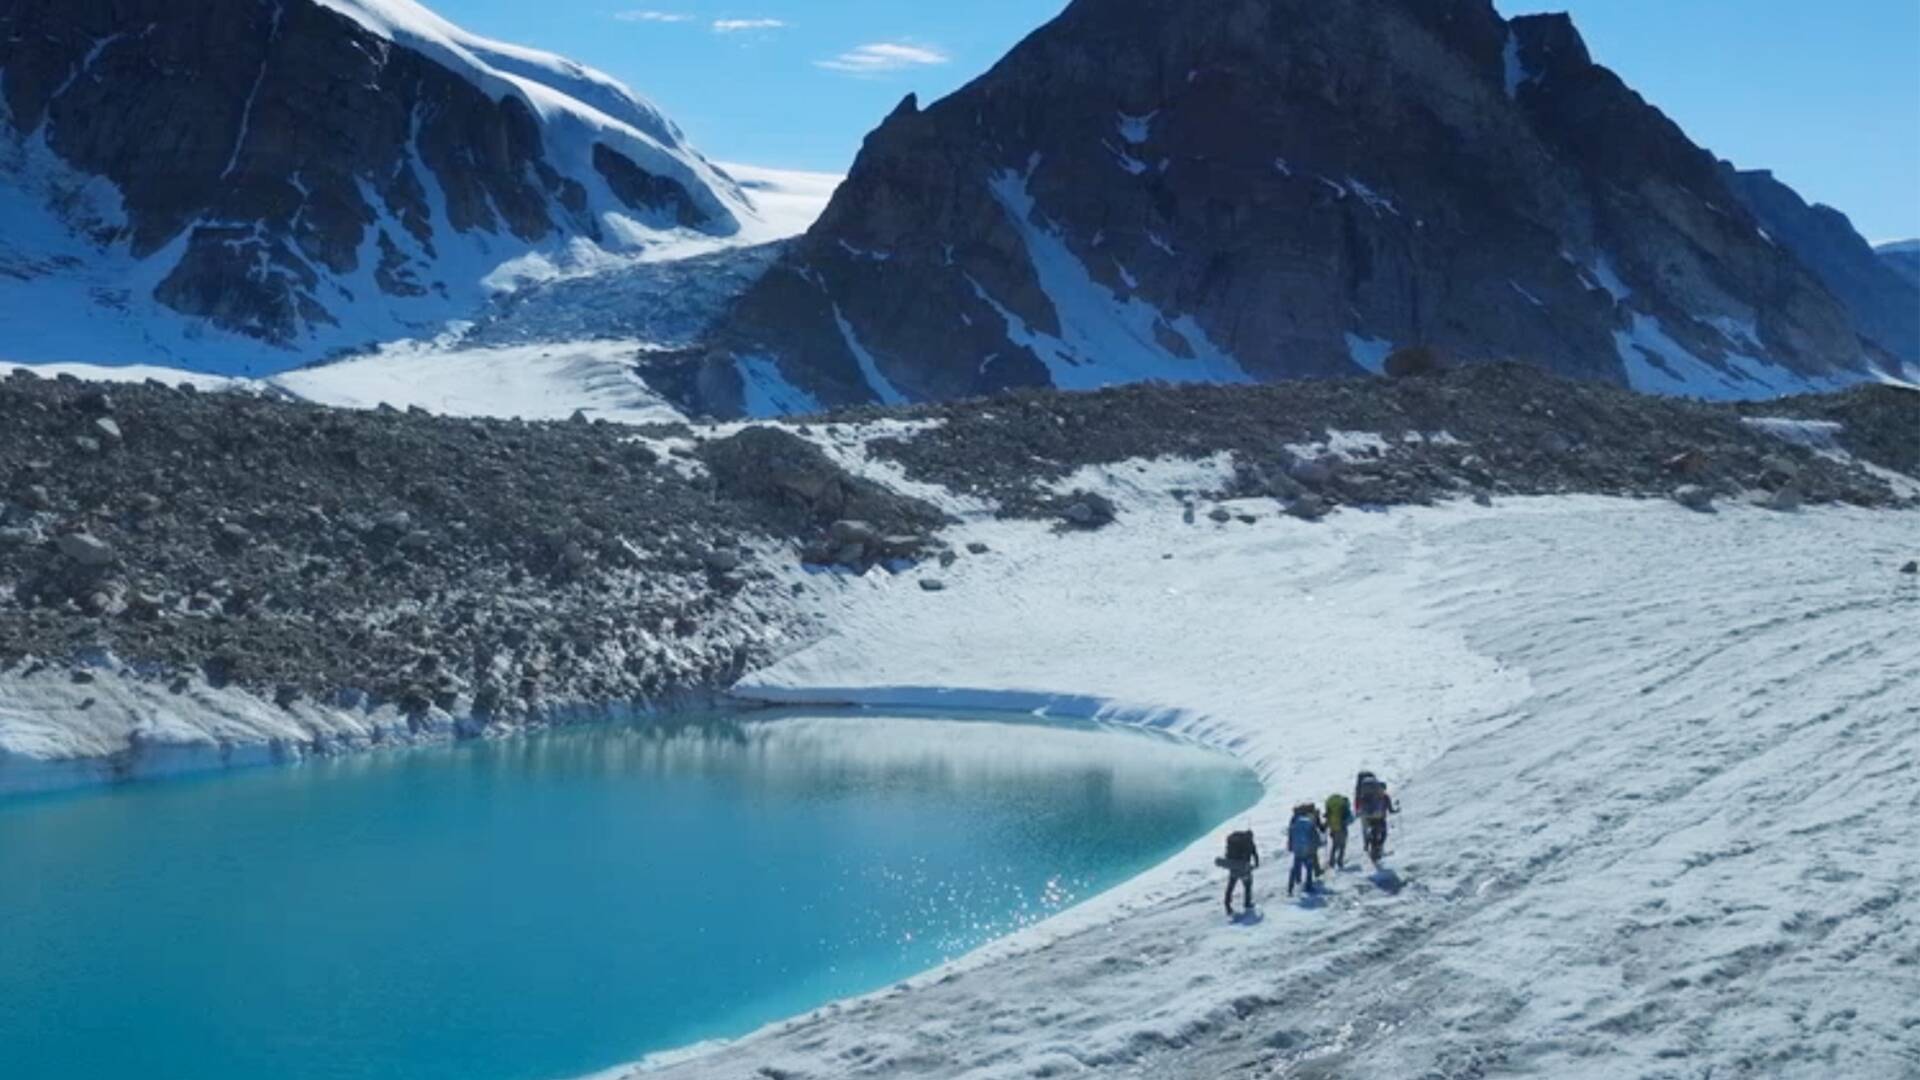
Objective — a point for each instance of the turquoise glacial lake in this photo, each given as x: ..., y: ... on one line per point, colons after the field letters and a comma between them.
x: 545, y: 907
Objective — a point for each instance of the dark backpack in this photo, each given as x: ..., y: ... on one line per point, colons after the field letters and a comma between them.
x: 1240, y: 845
x: 1373, y: 798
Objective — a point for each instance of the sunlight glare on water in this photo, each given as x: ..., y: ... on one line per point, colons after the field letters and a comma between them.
x: 548, y: 906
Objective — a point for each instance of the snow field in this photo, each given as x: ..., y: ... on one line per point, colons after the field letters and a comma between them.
x: 1660, y: 772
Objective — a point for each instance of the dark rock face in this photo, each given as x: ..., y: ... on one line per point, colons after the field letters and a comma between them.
x: 297, y: 160
x: 1902, y: 258
x: 1884, y: 303
x: 1275, y: 189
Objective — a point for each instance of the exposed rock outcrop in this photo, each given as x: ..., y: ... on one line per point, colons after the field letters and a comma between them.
x: 308, y: 172
x: 1884, y: 303
x: 1275, y: 189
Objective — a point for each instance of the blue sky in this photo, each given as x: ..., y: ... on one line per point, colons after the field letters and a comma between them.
x: 1825, y: 94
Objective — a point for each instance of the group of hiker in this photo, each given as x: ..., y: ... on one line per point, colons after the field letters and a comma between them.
x: 1311, y: 829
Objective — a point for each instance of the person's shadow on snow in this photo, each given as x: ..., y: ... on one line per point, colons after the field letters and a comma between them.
x: 1250, y: 918
x: 1387, y: 881
x: 1313, y: 900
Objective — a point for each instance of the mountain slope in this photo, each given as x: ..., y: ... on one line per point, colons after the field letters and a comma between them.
x: 1270, y: 189
x: 1903, y: 257
x: 1885, y: 304
x: 264, y: 181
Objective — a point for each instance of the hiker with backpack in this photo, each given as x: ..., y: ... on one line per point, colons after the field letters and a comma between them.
x: 1373, y: 804
x: 1242, y: 856
x: 1339, y: 817
x: 1303, y: 839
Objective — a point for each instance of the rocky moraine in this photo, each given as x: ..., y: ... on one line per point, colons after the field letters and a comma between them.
x: 476, y: 574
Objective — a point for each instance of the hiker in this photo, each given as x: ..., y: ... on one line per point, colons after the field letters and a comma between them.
x: 1319, y: 823
x: 1303, y: 839
x: 1242, y: 856
x: 1339, y: 816
x: 1374, y: 804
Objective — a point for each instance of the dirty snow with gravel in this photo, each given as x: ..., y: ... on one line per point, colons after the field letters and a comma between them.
x: 1659, y: 772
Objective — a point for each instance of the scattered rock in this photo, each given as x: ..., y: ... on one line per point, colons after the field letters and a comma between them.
x: 1694, y: 497
x: 1686, y: 463
x: 86, y: 549
x: 1088, y: 510
x: 977, y: 548
x: 1314, y: 473
x: 108, y: 429
x: 1307, y: 508
x: 1414, y: 361
x: 1220, y: 515
x: 1912, y: 567
x: 928, y: 584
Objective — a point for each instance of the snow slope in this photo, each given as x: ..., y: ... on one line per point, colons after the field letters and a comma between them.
x: 526, y: 382
x: 579, y: 106
x: 68, y: 295
x: 529, y: 382
x: 1658, y: 767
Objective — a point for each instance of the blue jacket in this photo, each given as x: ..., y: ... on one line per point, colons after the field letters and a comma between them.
x: 1303, y: 836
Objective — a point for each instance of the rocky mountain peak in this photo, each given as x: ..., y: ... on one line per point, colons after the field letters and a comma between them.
x: 310, y: 174
x: 1275, y: 189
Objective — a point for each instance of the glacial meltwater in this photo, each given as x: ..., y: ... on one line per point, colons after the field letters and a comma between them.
x: 548, y: 906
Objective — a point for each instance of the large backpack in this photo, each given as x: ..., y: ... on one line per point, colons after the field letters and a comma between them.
x: 1373, y: 798
x: 1240, y: 844
x: 1339, y: 811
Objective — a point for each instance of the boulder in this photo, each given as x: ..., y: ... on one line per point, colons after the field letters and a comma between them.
x: 1308, y: 508
x: 1912, y: 567
x: 847, y: 531
x: 1414, y: 361
x: 1087, y: 510
x: 86, y: 549
x: 1694, y: 497
x: 1314, y: 473
x: 1786, y: 500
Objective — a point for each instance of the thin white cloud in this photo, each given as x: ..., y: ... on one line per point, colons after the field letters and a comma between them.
x: 735, y: 26
x: 880, y: 57
x: 653, y: 16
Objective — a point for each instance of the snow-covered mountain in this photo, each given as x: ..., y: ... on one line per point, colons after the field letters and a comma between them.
x: 1265, y: 189
x: 251, y: 184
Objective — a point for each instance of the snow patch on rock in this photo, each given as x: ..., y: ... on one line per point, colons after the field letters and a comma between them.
x: 1104, y: 338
